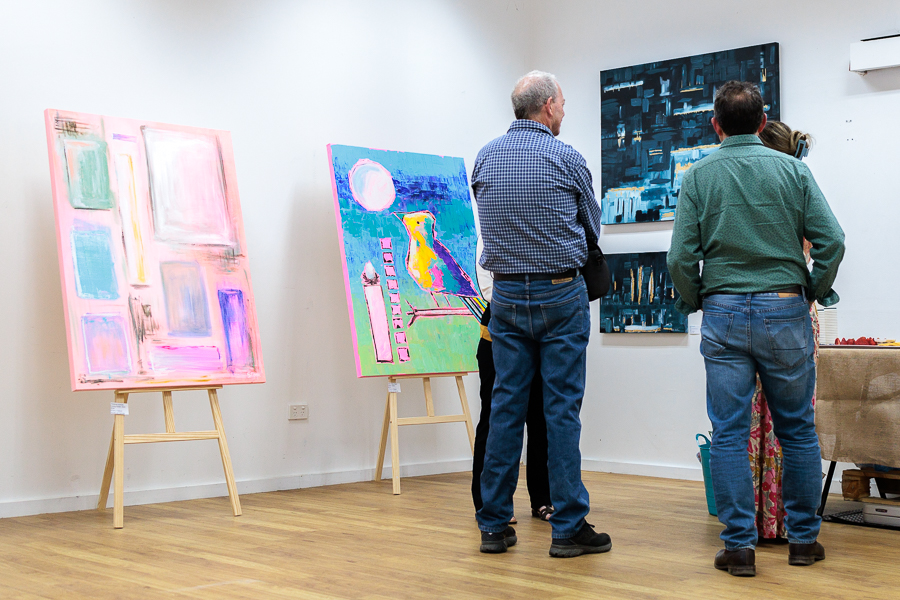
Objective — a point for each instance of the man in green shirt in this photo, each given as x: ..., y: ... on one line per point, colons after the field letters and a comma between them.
x: 744, y: 211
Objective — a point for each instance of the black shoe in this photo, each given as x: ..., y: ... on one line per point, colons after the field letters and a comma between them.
x: 586, y: 541
x: 740, y: 563
x: 805, y: 554
x: 495, y: 543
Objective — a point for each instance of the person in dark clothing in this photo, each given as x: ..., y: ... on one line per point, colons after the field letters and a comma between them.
x: 536, y: 452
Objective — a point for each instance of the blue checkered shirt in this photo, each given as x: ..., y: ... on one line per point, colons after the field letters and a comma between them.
x: 536, y: 202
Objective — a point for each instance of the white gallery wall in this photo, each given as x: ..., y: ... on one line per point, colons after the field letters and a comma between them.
x: 646, y: 396
x: 287, y: 78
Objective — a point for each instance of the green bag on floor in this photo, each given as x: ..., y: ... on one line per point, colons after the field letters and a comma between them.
x: 707, y: 476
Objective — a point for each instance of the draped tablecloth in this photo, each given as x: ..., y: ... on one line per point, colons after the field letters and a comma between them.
x: 858, y: 404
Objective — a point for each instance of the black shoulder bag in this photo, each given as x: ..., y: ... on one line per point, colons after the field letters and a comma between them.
x: 596, y: 272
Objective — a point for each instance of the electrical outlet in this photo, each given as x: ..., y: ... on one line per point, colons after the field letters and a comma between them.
x: 298, y: 412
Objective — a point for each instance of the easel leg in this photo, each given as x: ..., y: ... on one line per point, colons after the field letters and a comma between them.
x: 119, y: 467
x: 395, y: 443
x: 429, y: 400
x: 223, y: 449
x: 107, y: 473
x: 168, y: 413
x: 385, y: 429
x: 465, y: 408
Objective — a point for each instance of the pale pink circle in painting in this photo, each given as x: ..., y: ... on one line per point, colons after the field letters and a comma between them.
x: 372, y: 185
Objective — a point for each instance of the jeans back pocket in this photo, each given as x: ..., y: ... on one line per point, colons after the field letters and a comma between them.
x: 789, y: 339
x: 566, y: 317
x: 714, y: 332
x: 503, y: 311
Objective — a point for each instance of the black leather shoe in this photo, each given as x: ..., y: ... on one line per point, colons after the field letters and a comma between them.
x: 496, y: 543
x: 586, y: 541
x: 740, y: 563
x: 805, y: 554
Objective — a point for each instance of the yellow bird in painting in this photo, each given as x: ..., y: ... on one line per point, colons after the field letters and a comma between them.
x: 429, y: 262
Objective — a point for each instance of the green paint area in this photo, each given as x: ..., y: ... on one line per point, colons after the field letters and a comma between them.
x: 87, y: 173
x: 436, y: 344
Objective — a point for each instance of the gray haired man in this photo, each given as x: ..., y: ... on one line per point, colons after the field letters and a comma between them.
x: 537, y: 211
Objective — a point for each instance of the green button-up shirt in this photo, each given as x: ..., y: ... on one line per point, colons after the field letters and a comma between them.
x: 744, y: 211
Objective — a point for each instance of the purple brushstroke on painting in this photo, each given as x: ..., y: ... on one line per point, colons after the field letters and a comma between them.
x: 237, y: 338
x: 124, y: 138
x: 199, y: 359
x: 105, y: 344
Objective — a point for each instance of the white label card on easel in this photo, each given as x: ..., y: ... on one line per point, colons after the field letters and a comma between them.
x: 394, y: 387
x: 118, y: 408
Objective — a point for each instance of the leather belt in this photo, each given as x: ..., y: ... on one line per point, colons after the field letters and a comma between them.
x: 535, y: 276
x: 792, y: 289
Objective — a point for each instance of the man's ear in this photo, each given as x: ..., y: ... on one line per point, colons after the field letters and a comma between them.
x: 763, y: 124
x: 549, y: 105
x: 718, y: 129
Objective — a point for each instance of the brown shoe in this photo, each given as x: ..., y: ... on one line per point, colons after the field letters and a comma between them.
x: 740, y: 563
x: 805, y: 554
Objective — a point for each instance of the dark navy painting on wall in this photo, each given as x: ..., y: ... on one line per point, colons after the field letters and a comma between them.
x: 655, y: 123
x: 641, y: 297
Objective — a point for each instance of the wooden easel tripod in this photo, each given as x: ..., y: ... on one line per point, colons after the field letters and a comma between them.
x: 392, y: 421
x: 115, y: 459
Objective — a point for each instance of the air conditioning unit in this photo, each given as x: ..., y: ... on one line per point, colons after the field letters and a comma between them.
x: 875, y: 53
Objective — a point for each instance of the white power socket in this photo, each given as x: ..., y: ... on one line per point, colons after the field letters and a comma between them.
x: 298, y: 412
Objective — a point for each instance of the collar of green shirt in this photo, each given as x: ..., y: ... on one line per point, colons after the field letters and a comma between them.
x: 741, y: 140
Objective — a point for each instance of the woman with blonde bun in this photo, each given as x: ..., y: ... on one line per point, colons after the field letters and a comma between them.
x: 778, y: 136
x: 764, y: 448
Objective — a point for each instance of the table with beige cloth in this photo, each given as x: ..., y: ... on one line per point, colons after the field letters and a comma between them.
x: 858, y: 405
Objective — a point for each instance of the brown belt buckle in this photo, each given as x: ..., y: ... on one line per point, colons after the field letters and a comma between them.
x: 566, y: 280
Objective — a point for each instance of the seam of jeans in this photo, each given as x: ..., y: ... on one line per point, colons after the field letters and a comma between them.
x: 763, y: 311
x: 732, y: 307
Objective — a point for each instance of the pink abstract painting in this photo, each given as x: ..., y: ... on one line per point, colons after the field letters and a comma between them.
x: 152, y: 256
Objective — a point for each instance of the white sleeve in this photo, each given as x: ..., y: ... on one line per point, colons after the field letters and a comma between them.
x: 485, y: 277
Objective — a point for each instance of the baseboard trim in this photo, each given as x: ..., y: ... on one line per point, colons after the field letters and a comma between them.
x: 645, y: 470
x: 22, y: 508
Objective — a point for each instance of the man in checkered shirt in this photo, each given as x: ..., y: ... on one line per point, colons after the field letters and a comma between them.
x: 537, y: 211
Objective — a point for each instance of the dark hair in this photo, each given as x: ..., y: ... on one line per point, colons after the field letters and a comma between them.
x: 778, y: 136
x: 738, y: 108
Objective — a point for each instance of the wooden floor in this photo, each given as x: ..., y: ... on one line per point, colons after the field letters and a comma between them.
x: 360, y: 541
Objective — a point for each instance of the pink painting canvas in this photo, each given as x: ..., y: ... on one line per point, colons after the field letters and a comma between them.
x: 152, y: 256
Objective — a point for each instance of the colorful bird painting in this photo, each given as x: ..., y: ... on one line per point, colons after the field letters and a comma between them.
x: 432, y: 266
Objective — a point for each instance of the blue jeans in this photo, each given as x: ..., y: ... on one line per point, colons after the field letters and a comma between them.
x: 537, y: 323
x: 742, y: 335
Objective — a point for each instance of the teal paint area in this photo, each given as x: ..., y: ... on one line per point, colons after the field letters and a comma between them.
x: 95, y: 273
x: 87, y: 173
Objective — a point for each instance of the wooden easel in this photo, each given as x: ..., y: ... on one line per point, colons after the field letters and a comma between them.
x: 392, y: 422
x: 115, y: 460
